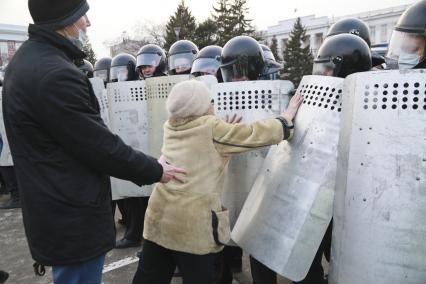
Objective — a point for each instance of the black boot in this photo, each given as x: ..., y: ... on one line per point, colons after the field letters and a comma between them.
x: 3, y: 276
x: 12, y: 203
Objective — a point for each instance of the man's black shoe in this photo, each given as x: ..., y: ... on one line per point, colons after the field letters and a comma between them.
x: 12, y: 203
x: 125, y: 243
x: 3, y: 276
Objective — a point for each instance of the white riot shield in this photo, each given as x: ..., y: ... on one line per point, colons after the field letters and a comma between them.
x: 101, y: 94
x: 379, y: 234
x: 5, y: 156
x: 253, y: 100
x: 290, y: 205
x: 129, y: 120
x: 157, y: 90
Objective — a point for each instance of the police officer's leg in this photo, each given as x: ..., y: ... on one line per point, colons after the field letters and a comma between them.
x: 261, y: 274
x: 316, y: 271
x: 137, y: 208
x: 11, y: 184
x: 156, y: 265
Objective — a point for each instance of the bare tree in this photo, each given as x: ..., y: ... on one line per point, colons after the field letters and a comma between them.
x: 150, y: 32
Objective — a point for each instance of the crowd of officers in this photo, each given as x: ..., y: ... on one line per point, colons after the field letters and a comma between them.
x: 345, y: 50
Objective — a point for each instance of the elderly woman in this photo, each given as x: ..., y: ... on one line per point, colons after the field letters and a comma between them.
x: 185, y: 223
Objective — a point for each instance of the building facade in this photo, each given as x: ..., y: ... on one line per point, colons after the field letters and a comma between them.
x: 381, y: 23
x: 11, y: 38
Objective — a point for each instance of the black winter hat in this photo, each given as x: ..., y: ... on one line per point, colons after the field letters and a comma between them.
x: 57, y: 14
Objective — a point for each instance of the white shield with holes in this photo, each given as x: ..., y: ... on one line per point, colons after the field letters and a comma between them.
x: 129, y: 120
x: 253, y: 100
x: 379, y: 234
x: 289, y: 207
x: 101, y: 94
x: 157, y: 91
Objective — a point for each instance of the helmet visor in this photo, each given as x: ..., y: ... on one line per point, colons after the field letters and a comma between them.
x: 150, y: 59
x: 405, y: 50
x: 102, y: 74
x: 238, y: 70
x: 205, y: 66
x: 181, y: 62
x: 324, y: 68
x: 119, y: 73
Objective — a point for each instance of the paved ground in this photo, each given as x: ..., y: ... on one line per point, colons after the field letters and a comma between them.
x: 120, y: 265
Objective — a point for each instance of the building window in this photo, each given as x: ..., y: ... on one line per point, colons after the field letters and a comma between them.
x: 373, y: 34
x: 384, y: 34
x: 318, y: 39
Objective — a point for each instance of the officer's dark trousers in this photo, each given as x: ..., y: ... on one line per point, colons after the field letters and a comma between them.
x: 263, y: 275
x: 10, y: 182
x: 157, y: 265
x: 136, y: 208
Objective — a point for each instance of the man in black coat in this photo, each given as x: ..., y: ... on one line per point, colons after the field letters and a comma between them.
x: 62, y: 150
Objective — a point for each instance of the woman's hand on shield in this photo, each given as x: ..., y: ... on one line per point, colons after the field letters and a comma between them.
x: 170, y: 172
x: 293, y: 107
x: 233, y: 119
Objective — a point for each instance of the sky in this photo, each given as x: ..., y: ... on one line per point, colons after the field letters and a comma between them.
x: 110, y: 18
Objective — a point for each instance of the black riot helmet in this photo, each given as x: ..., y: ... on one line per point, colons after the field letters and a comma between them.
x: 102, y: 67
x: 151, y: 55
x: 181, y: 56
x: 351, y: 26
x: 272, y: 67
x: 86, y: 67
x: 207, y: 62
x: 407, y: 47
x: 242, y: 59
x: 342, y: 55
x: 123, y: 68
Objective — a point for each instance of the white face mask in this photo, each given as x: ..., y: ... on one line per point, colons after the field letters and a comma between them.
x: 408, y: 60
x: 80, y: 40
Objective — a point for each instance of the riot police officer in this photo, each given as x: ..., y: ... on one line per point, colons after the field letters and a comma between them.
x: 123, y: 68
x: 207, y: 62
x: 102, y: 68
x: 242, y: 59
x: 356, y: 27
x: 86, y: 67
x: 151, y: 61
x: 407, y: 47
x: 341, y: 55
x: 181, y: 56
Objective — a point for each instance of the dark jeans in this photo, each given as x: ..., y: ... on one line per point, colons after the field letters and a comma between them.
x: 157, y: 265
x: 89, y: 272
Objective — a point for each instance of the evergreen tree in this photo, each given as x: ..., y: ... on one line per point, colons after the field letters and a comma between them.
x: 90, y: 54
x: 242, y: 25
x: 224, y: 20
x: 298, y: 59
x: 183, y: 19
x: 206, y: 34
x: 274, y: 48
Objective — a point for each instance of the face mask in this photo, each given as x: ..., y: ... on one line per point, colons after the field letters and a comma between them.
x: 82, y: 38
x: 408, y: 60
